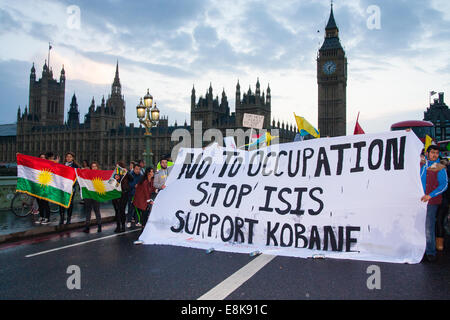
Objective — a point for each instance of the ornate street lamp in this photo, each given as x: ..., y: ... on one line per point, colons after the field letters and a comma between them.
x: 149, y: 117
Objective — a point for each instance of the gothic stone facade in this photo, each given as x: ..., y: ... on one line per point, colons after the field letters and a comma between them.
x: 439, y: 114
x: 104, y: 137
x: 214, y: 113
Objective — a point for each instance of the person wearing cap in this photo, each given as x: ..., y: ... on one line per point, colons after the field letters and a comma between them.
x: 161, y: 175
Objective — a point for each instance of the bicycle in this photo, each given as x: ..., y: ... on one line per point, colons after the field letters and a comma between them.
x: 22, y: 205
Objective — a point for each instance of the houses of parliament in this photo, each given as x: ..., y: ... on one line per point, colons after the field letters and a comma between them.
x: 103, y: 135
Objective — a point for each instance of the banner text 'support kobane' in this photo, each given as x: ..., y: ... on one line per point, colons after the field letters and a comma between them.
x: 353, y: 197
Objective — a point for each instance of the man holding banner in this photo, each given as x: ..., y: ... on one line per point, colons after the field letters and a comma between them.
x: 434, y: 182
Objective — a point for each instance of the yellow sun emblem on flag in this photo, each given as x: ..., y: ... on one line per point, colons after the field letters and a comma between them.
x: 45, y: 177
x: 99, y: 186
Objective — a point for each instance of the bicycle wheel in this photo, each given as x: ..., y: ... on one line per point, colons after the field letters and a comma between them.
x: 22, y: 204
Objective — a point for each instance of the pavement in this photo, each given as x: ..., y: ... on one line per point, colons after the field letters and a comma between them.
x: 13, y: 228
x: 111, y: 267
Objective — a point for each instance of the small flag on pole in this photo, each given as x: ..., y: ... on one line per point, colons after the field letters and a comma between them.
x: 428, y: 142
x: 358, y: 129
x: 305, y: 128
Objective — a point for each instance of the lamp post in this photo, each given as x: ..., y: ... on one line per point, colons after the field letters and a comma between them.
x: 149, y: 117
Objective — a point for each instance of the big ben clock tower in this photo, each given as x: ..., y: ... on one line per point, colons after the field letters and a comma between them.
x: 332, y: 83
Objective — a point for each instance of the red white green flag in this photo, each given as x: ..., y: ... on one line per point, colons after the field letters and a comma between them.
x: 45, y: 179
x: 96, y: 184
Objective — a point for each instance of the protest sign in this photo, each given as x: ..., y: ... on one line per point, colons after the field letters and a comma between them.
x: 253, y: 121
x: 116, y: 177
x: 352, y: 197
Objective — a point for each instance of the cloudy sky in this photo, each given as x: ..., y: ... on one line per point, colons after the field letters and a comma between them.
x: 398, y: 51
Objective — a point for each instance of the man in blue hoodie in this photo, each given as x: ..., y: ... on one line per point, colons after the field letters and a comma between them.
x: 434, y: 183
x: 135, y: 176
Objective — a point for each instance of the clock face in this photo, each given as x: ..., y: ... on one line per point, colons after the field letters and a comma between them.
x: 329, y: 67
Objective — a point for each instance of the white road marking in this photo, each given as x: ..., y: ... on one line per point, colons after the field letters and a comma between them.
x: 226, y: 287
x: 80, y: 243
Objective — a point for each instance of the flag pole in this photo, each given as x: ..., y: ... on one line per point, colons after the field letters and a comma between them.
x: 49, y: 48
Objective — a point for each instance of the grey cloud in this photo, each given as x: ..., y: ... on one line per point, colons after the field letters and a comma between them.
x: 14, y: 84
x: 163, y: 69
x: 205, y: 35
x: 8, y: 23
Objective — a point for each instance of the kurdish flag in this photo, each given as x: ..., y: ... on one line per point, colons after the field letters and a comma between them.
x: 94, y: 184
x: 45, y: 179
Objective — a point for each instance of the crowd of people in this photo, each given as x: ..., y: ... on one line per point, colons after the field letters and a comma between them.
x: 139, y: 186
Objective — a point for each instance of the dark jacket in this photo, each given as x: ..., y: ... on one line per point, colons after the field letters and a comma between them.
x: 134, y: 180
x: 144, y: 191
x: 125, y: 186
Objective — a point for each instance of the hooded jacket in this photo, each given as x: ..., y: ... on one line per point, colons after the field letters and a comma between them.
x: 434, y: 180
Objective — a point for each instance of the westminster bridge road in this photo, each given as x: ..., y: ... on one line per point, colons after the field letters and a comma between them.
x: 75, y: 265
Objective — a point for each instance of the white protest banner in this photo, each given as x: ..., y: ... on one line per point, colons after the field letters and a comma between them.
x: 253, y: 121
x: 354, y: 197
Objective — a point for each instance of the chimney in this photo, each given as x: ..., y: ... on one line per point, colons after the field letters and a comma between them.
x: 441, y: 98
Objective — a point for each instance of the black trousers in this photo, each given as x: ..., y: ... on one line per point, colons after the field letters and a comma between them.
x: 440, y: 215
x: 44, y: 208
x: 119, y: 209
x: 62, y: 211
x: 90, y: 204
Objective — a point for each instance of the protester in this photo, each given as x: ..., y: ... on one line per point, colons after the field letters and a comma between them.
x: 434, y: 183
x: 70, y: 162
x: 44, y: 207
x: 90, y: 204
x: 142, y: 165
x: 442, y: 211
x: 120, y: 204
x: 35, y: 206
x: 85, y: 164
x: 135, y: 177
x: 144, y: 196
x: 132, y: 163
x: 161, y: 175
x: 169, y: 163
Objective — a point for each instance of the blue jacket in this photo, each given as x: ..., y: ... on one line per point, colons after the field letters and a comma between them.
x: 441, y: 176
x: 135, y: 178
